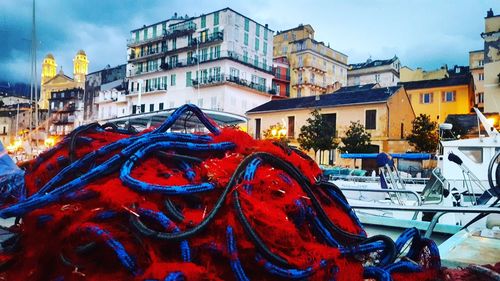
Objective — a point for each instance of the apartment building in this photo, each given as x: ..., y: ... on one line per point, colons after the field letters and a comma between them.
x: 383, y: 72
x: 315, y: 68
x: 476, y: 67
x: 221, y: 61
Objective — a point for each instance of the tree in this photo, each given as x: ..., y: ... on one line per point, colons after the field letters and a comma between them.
x: 276, y: 132
x: 356, y: 139
x: 317, y: 134
x: 424, y: 136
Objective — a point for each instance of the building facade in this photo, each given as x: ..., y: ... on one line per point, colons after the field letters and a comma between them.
x: 281, y: 79
x: 220, y: 60
x: 57, y: 81
x: 66, y: 111
x: 383, y: 72
x: 407, y: 74
x: 491, y: 36
x: 97, y: 81
x: 441, y: 97
x: 384, y: 112
x: 476, y: 66
x: 314, y: 67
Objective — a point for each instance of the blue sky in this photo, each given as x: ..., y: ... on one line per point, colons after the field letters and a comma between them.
x: 425, y: 33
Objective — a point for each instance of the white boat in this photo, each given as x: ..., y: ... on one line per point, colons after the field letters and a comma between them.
x: 459, y: 180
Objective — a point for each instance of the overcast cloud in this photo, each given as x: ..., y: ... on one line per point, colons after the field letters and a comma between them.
x: 426, y: 33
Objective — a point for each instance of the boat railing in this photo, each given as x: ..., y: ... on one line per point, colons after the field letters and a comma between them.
x: 389, y: 191
x: 407, y: 181
x: 438, y: 210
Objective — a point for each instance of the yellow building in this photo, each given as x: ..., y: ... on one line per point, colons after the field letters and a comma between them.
x: 407, y: 74
x: 491, y: 36
x: 385, y: 112
x: 315, y: 68
x: 52, y: 81
x: 440, y: 97
x: 476, y: 66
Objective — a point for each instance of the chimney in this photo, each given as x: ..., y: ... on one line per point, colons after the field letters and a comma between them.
x: 489, y: 14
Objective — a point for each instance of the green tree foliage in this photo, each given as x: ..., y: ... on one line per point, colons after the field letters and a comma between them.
x: 424, y: 136
x: 276, y: 132
x: 317, y: 134
x: 356, y: 139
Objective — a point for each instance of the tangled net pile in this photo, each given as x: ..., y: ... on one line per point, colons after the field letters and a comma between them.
x: 107, y: 205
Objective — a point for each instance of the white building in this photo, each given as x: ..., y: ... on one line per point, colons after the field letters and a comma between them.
x: 221, y: 61
x: 382, y: 72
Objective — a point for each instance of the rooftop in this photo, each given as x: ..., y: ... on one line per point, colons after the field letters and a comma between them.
x: 346, y: 97
x: 434, y: 83
x: 357, y: 87
x: 372, y: 63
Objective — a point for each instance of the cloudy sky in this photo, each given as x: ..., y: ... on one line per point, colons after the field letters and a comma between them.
x: 426, y: 33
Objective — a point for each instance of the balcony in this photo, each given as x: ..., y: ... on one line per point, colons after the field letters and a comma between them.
x: 209, y: 57
x: 221, y: 79
x: 314, y: 67
x: 281, y: 77
x: 149, y: 54
x: 176, y: 30
x: 313, y: 84
x: 63, y: 120
x: 204, y: 40
x: 149, y: 89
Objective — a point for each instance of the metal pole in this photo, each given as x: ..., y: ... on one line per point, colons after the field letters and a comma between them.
x: 35, y: 78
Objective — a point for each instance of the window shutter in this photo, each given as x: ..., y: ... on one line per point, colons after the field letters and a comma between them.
x: 443, y: 96
x: 431, y: 97
x: 421, y: 98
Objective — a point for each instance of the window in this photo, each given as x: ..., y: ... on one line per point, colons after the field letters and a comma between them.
x: 291, y: 127
x: 216, y: 18
x: 203, y: 21
x: 264, y: 63
x: 163, y: 28
x: 481, y: 76
x: 257, y: 128
x: 301, y: 63
x: 151, y: 107
x: 256, y: 44
x: 154, y: 31
x: 426, y: 98
x: 234, y: 72
x: 247, y: 25
x: 245, y: 56
x: 480, y: 97
x: 216, y: 29
x: 473, y: 153
x: 449, y: 96
x: 245, y: 39
x: 145, y: 34
x: 257, y: 30
x: 172, y: 80
x: 143, y: 108
x: 264, y: 48
x: 134, y: 109
x: 299, y: 92
x: 137, y: 36
x: 217, y: 52
x: 174, y: 43
x: 285, y: 36
x: 371, y: 119
x: 256, y: 60
x: 189, y: 81
x: 284, y: 50
x: 161, y: 106
x: 481, y: 62
x: 377, y: 78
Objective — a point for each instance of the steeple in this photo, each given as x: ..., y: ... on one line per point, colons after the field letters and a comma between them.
x: 80, y: 67
x: 49, y: 68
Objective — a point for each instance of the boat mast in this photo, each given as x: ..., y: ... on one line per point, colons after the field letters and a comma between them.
x: 34, y: 86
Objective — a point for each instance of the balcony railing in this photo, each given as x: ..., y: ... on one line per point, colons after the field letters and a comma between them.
x: 219, y: 79
x: 213, y: 56
x: 174, y: 31
x: 281, y: 76
x: 149, y: 89
x: 212, y: 37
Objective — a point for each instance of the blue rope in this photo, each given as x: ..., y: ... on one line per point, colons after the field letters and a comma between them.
x: 233, y: 254
x: 125, y: 259
x: 291, y: 273
x: 169, y: 226
x: 175, y: 276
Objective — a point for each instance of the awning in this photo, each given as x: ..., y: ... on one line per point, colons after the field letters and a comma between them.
x: 187, y: 121
x: 407, y: 156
